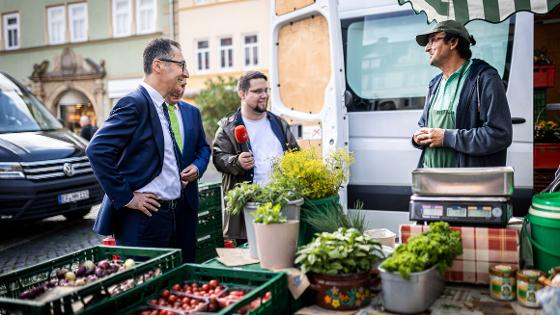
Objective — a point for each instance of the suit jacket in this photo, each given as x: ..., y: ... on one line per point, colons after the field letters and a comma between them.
x: 87, y: 132
x: 127, y: 153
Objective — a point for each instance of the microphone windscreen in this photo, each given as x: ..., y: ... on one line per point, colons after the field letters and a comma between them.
x: 241, y: 135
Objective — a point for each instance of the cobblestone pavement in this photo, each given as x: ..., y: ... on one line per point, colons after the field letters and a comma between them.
x: 32, y: 243
x: 24, y: 245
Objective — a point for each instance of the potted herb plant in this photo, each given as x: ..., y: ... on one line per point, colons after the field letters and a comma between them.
x: 276, y: 236
x: 318, y: 180
x: 338, y: 265
x: 246, y: 197
x: 415, y: 269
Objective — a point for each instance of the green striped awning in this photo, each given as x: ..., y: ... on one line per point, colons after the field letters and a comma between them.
x: 490, y: 10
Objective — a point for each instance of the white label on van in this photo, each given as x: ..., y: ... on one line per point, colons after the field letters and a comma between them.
x: 311, y: 132
x: 74, y: 196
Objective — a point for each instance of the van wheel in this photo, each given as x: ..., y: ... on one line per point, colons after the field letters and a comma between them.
x: 76, y: 215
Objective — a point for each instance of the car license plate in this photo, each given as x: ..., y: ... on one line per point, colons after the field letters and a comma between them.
x: 73, y: 196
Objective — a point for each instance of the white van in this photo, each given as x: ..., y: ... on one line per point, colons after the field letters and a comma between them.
x: 351, y: 73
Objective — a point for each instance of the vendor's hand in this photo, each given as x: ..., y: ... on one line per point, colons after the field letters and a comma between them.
x: 246, y: 160
x: 432, y: 138
x: 189, y: 174
x: 417, y: 133
x: 144, y: 202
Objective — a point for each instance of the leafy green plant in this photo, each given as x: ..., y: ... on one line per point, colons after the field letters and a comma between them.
x: 240, y: 195
x: 218, y: 99
x: 438, y: 246
x: 312, y: 175
x: 331, y: 217
x: 345, y: 251
x: 269, y: 214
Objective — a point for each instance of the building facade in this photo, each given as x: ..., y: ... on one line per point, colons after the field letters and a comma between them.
x: 223, y: 38
x: 80, y: 57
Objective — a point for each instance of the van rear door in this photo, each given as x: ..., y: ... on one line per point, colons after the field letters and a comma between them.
x: 307, y: 72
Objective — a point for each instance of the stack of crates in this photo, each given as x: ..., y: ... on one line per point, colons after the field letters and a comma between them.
x: 151, y: 264
x: 209, y: 230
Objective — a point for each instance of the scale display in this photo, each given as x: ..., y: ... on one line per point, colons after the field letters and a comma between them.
x: 460, y: 210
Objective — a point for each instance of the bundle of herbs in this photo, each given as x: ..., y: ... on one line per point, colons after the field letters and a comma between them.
x: 438, y: 246
x: 343, y: 252
x: 330, y: 217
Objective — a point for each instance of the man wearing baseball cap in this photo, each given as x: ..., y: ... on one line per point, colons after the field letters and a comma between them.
x: 466, y: 120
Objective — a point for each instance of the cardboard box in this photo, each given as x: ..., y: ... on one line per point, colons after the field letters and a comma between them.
x: 482, y: 248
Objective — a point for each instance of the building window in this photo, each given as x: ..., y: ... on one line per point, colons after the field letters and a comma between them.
x: 11, y: 31
x: 203, y: 55
x: 78, y: 22
x: 56, y: 24
x: 251, y: 51
x: 145, y: 16
x: 121, y: 17
x: 226, y: 53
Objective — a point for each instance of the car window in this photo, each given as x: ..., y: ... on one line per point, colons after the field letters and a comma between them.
x: 21, y: 111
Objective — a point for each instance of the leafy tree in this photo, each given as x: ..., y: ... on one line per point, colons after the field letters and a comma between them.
x: 218, y: 99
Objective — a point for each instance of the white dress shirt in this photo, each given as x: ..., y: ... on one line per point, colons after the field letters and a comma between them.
x: 167, y: 185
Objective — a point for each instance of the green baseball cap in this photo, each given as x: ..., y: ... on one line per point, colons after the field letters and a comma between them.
x: 450, y: 27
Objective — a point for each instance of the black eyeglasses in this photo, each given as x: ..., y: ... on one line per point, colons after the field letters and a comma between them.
x: 181, y: 64
x: 260, y: 91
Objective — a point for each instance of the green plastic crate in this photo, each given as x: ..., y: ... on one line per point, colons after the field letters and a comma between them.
x: 14, y: 283
x: 210, y: 195
x: 206, y: 246
x: 260, y: 281
x: 308, y: 297
x: 539, y: 104
x: 209, y: 221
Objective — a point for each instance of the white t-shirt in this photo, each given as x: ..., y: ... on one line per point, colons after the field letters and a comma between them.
x: 265, y: 146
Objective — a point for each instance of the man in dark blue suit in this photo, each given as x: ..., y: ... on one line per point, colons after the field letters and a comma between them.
x: 137, y: 160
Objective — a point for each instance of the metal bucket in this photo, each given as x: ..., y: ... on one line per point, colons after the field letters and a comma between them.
x: 411, y: 296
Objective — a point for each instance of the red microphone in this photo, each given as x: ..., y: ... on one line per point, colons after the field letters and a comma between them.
x: 242, y: 137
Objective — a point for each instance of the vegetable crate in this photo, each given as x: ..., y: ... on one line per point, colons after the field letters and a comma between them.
x: 209, y: 228
x: 210, y: 195
x: 546, y: 156
x: 70, y: 300
x: 539, y: 105
x: 260, y: 283
x: 544, y: 76
x: 206, y: 246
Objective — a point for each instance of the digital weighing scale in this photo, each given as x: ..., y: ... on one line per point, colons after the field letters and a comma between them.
x: 465, y: 211
x: 462, y: 196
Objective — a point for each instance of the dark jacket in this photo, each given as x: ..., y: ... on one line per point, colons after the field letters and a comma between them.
x: 225, y: 158
x: 87, y: 132
x: 483, y: 120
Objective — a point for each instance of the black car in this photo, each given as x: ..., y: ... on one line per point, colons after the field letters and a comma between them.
x: 43, y: 167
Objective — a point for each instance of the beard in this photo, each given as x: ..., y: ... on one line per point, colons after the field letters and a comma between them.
x: 259, y: 109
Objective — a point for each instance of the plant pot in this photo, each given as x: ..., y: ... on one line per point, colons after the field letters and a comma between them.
x: 276, y: 244
x: 250, y: 208
x: 341, y: 292
x: 292, y: 209
x: 411, y: 296
x: 306, y: 231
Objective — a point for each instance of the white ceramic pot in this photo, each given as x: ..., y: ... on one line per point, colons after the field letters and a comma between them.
x: 277, y: 244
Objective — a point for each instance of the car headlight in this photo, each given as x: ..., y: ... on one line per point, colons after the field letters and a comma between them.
x: 11, y: 171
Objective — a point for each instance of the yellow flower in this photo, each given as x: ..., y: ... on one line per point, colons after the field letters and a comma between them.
x: 335, y: 303
x: 328, y: 299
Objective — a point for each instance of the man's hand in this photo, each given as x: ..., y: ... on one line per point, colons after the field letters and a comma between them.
x: 418, y: 133
x: 246, y: 160
x: 144, y: 202
x: 432, y: 137
x: 189, y: 174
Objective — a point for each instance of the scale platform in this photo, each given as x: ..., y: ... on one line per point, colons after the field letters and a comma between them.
x: 464, y: 211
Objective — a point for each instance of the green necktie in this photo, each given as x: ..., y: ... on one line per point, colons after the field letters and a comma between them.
x: 175, y: 126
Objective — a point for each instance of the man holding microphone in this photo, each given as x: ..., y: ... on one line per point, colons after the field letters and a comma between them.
x: 269, y: 136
